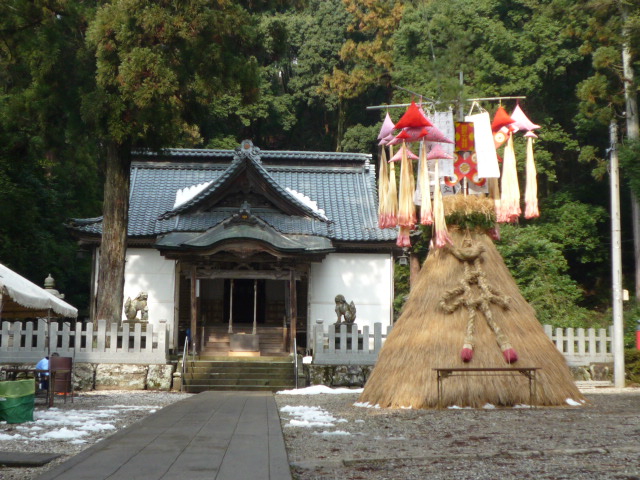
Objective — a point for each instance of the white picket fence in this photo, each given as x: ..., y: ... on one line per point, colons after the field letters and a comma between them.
x: 582, y: 347
x: 348, y: 348
x: 579, y: 346
x: 21, y: 343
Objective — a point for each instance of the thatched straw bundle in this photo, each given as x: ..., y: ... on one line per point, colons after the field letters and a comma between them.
x: 426, y: 337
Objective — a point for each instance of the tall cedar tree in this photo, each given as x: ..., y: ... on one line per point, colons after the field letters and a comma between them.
x: 157, y: 63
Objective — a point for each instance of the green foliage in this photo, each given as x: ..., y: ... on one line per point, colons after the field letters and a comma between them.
x: 629, y: 155
x: 631, y: 314
x: 541, y: 271
x: 360, y: 139
x: 401, y: 289
x: 632, y: 365
x: 471, y: 221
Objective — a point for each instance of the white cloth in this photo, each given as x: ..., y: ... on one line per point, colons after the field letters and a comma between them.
x: 29, y: 295
x: 485, y: 148
x: 444, y: 122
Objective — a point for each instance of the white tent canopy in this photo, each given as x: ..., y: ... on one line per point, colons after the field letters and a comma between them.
x: 21, y: 298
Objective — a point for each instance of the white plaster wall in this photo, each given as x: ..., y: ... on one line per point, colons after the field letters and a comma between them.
x: 148, y: 271
x: 365, y: 278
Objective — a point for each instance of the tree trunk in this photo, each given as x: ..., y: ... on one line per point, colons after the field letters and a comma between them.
x: 109, y: 297
x: 633, y: 134
x: 342, y: 117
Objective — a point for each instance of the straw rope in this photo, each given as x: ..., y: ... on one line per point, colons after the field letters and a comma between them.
x: 463, y: 296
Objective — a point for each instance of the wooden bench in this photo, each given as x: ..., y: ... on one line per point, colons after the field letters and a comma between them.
x: 528, y: 372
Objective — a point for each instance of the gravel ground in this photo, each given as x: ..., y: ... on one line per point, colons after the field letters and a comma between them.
x: 115, y: 408
x: 597, y: 441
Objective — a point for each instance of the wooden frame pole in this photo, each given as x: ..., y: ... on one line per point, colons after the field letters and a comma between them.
x: 293, y: 308
x: 194, y: 312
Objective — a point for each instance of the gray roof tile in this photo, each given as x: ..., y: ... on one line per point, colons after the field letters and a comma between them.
x: 342, y: 184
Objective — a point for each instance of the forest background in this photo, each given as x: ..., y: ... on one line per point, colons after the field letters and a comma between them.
x: 80, y: 79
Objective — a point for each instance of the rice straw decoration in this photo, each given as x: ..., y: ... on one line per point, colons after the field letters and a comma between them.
x: 441, y: 235
x: 383, y: 190
x: 510, y: 199
x: 406, y: 208
x: 531, y: 189
x: 426, y: 211
x: 403, y: 239
x: 392, y: 196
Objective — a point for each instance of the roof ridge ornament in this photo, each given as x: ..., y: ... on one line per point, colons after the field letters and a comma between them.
x: 248, y: 150
x: 244, y: 216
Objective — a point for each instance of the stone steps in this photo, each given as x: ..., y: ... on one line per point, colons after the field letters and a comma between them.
x: 239, y: 373
x: 217, y: 340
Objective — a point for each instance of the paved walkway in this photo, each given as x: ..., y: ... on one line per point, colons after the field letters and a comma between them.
x: 213, y: 435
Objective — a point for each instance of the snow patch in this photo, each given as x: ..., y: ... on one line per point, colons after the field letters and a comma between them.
x: 319, y: 389
x: 309, y: 417
x: 334, y: 433
x: 183, y: 195
x: 365, y: 405
x: 302, y: 198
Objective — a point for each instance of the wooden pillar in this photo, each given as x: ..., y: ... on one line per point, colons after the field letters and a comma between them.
x: 194, y: 312
x: 255, y: 307
x: 414, y: 269
x: 230, y: 306
x: 293, y: 307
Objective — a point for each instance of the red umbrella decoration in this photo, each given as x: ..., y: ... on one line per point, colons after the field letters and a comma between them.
x: 476, y: 164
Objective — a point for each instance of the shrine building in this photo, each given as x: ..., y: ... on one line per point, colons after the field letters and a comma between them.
x: 251, y: 242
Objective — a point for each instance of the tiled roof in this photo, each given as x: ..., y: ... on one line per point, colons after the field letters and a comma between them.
x: 342, y: 184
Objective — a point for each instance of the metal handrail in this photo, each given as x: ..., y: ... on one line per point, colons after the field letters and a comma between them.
x: 185, y: 353
x: 295, y: 361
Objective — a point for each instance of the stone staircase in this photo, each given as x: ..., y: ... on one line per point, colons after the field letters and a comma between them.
x: 238, y: 373
x: 217, y: 343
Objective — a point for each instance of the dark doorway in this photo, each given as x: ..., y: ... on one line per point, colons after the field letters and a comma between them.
x: 243, y: 296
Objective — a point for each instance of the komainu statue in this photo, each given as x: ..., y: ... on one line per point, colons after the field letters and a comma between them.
x: 138, y: 304
x: 345, y: 310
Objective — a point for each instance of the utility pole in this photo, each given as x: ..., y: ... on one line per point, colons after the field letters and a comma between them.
x: 616, y: 260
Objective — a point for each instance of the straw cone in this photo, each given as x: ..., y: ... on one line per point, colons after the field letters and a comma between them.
x: 425, y: 337
x: 383, y: 190
x: 531, y: 189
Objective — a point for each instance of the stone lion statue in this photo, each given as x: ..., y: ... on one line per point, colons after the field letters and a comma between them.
x: 345, y: 310
x: 138, y: 304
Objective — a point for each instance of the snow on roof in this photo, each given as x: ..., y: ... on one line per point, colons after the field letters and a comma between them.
x: 183, y: 195
x: 302, y: 198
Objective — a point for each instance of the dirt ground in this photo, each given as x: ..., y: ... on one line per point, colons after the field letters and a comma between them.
x: 600, y: 440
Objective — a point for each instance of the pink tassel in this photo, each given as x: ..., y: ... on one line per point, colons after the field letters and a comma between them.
x: 494, y: 233
x: 466, y: 354
x: 510, y: 355
x: 403, y: 237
